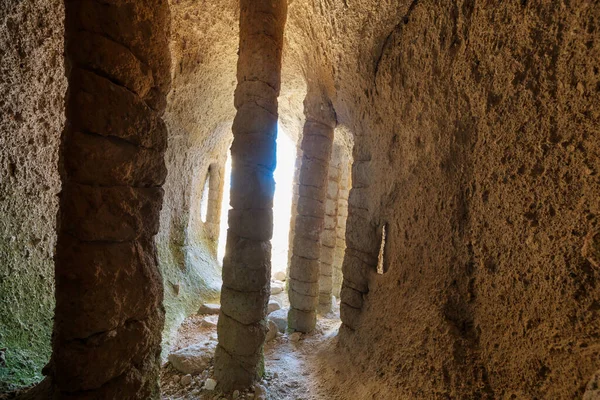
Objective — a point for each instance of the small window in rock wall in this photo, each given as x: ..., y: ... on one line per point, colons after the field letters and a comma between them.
x: 205, y: 198
x: 380, y: 259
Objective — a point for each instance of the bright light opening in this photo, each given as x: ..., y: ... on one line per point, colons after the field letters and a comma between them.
x: 204, y: 201
x: 381, y: 257
x: 225, y: 207
x: 282, y: 205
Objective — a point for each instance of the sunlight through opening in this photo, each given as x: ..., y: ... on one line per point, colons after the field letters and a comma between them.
x: 204, y: 201
x: 282, y: 205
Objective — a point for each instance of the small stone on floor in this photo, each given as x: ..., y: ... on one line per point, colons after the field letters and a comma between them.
x: 274, y: 305
x: 210, y: 384
x: 272, y: 332
x: 280, y: 275
x: 209, y: 308
x: 295, y: 337
x: 186, y: 380
x: 276, y: 287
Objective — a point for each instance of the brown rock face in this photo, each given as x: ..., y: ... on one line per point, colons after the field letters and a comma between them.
x: 247, y: 265
x: 109, y: 313
x: 477, y: 126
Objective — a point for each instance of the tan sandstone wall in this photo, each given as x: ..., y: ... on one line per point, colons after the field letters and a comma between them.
x: 476, y: 142
x: 32, y: 88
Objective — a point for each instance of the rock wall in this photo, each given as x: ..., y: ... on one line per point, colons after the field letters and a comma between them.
x: 32, y: 88
x: 199, y: 116
x: 477, y: 127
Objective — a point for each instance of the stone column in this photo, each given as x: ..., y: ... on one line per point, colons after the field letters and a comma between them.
x: 109, y: 314
x: 317, y: 142
x: 329, y: 235
x: 216, y: 182
x: 342, y: 215
x: 247, y: 262
x: 362, y: 245
x: 295, y: 196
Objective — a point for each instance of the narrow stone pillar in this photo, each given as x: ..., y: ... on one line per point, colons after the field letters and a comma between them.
x: 342, y: 215
x: 329, y: 235
x: 363, y: 244
x: 295, y: 196
x: 216, y: 182
x: 317, y: 143
x: 247, y: 262
x: 109, y: 314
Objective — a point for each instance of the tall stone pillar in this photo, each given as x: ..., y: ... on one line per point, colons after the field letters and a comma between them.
x: 295, y: 196
x: 216, y: 182
x: 317, y: 143
x: 329, y: 235
x: 247, y: 262
x: 109, y: 314
x: 342, y: 215
x: 363, y: 240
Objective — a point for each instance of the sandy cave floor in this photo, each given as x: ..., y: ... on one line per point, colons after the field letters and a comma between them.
x: 291, y: 366
x: 307, y: 369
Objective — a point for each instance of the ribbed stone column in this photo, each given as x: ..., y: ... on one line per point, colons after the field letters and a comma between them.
x: 342, y: 215
x: 317, y: 142
x: 295, y: 196
x: 363, y: 244
x: 216, y: 182
x: 247, y: 262
x: 329, y: 235
x: 109, y: 314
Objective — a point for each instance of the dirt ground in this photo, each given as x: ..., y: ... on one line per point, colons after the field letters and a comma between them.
x: 291, y: 367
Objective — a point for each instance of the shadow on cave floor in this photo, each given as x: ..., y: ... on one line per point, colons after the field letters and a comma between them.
x: 291, y: 363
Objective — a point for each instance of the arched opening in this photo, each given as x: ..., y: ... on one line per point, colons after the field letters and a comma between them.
x: 205, y: 197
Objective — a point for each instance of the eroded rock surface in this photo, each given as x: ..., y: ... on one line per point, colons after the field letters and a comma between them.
x: 32, y: 89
